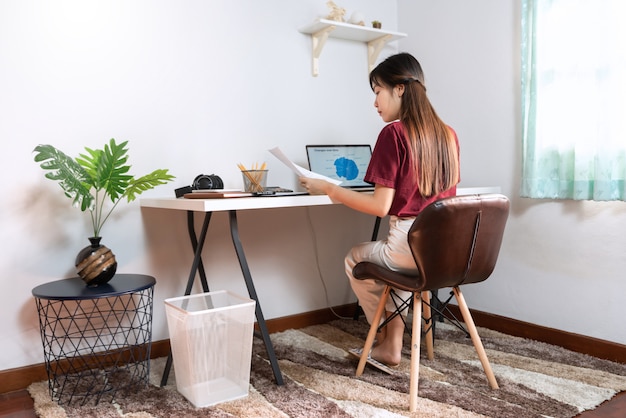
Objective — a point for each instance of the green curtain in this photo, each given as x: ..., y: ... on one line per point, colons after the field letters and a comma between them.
x: 574, y: 99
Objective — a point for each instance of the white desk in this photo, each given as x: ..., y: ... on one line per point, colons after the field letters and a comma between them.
x: 264, y: 202
x: 232, y: 205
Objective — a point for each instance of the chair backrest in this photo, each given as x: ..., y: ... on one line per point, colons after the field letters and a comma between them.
x: 457, y: 240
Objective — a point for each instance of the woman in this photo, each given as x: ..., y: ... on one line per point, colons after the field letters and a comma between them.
x: 414, y: 163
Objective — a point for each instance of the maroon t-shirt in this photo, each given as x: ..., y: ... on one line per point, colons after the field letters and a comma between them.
x: 391, y: 167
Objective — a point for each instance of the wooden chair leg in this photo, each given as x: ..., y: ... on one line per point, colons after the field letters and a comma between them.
x: 371, y: 335
x: 478, y: 345
x: 428, y: 324
x: 415, y: 350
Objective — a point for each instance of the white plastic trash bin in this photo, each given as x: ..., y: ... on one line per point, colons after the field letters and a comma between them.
x: 211, y: 339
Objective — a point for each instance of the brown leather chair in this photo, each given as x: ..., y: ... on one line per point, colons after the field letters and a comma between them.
x: 455, y: 241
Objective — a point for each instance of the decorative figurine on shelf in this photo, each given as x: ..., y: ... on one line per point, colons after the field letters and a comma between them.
x: 357, y: 18
x: 376, y: 24
x: 336, y: 13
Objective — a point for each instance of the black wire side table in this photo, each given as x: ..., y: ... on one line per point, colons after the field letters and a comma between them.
x: 96, y: 340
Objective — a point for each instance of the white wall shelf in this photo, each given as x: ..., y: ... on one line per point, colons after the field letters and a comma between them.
x: 322, y: 29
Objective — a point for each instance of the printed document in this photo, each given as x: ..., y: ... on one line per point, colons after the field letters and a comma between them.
x: 300, y: 171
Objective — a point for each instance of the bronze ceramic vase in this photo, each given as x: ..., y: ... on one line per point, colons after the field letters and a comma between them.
x: 96, y: 263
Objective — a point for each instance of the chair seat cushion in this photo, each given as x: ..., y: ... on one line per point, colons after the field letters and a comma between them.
x: 366, y: 270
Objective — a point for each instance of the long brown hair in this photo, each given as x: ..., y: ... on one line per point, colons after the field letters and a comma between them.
x: 434, y: 152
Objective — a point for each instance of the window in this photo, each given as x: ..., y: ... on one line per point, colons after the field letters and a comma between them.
x: 574, y: 99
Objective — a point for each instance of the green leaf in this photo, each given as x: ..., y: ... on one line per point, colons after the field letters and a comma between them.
x: 147, y: 182
x: 90, y: 164
x: 72, y: 177
x: 109, y: 167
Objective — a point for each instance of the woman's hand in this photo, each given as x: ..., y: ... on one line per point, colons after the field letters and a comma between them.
x: 315, y: 186
x: 377, y: 203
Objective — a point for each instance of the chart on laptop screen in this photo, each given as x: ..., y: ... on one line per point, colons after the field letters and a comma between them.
x: 347, y: 163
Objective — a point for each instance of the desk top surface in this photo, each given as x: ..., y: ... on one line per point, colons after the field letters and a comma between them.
x: 76, y: 289
x: 264, y: 202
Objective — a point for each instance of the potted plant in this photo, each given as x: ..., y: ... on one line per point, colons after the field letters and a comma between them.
x: 91, y: 180
x: 376, y: 24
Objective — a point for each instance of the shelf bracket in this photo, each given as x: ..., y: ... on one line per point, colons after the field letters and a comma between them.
x: 319, y: 40
x: 373, y: 50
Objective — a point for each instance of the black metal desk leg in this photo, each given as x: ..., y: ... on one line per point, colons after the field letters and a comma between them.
x: 376, y: 228
x: 234, y: 231
x: 196, y: 267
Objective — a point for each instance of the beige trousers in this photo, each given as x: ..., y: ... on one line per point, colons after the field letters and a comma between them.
x: 393, y: 253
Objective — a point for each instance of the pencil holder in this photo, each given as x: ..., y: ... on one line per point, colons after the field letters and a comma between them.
x: 254, y: 181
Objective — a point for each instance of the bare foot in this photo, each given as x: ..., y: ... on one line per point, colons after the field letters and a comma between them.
x: 390, y: 358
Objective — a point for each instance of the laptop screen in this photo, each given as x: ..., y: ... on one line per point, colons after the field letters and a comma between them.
x: 347, y: 163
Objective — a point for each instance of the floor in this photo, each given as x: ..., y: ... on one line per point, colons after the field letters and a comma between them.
x: 19, y: 404
x: 16, y: 404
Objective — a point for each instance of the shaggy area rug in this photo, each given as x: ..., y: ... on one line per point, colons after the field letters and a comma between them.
x: 535, y: 379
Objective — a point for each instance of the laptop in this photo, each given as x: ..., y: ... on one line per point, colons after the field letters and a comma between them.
x: 347, y: 163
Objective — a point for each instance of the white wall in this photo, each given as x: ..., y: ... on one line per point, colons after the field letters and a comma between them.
x: 196, y: 87
x: 562, y: 263
x: 199, y: 86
